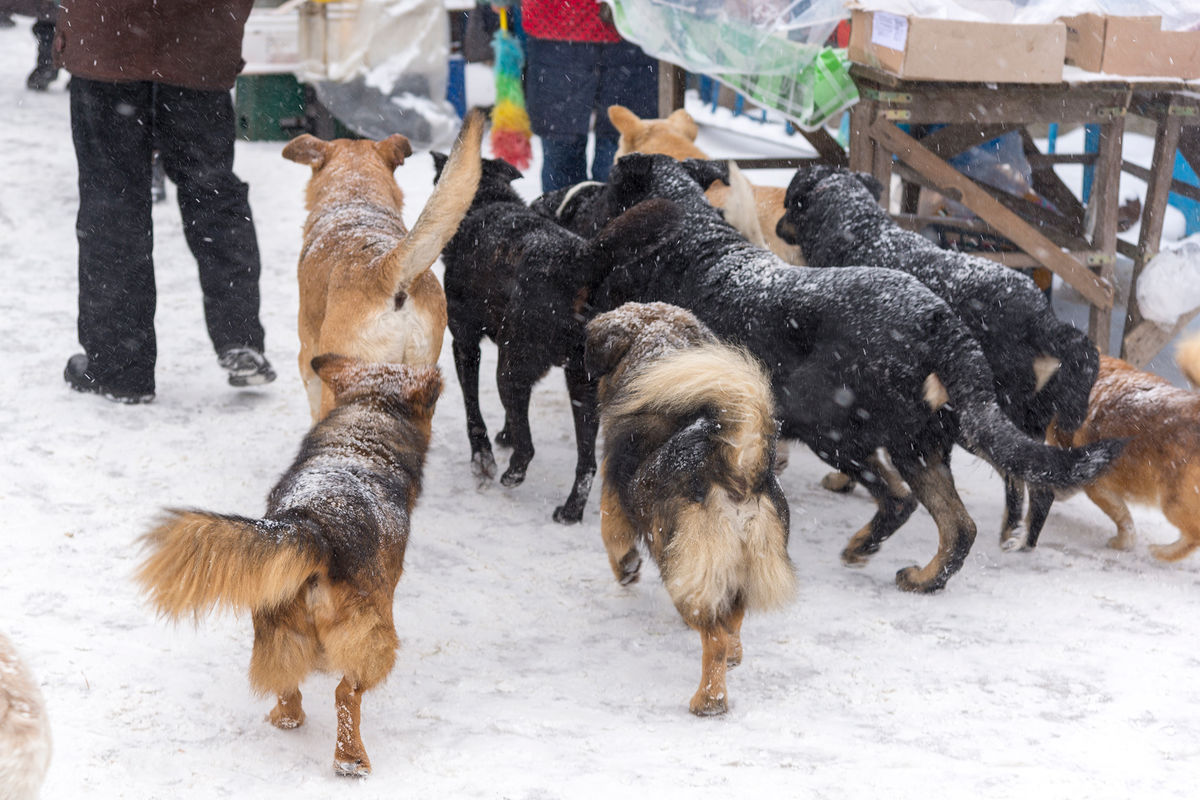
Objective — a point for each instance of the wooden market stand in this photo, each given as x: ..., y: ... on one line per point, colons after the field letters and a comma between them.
x: 1075, y: 240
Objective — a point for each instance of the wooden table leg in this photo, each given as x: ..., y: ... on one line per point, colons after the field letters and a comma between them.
x: 1136, y: 350
x: 1101, y: 223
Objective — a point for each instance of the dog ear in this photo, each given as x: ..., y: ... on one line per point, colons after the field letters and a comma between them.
x: 683, y: 124
x: 333, y: 369
x: 439, y: 162
x: 608, y: 340
x: 871, y: 182
x: 422, y: 389
x: 506, y: 170
x: 786, y: 230
x: 706, y: 171
x: 393, y: 150
x: 624, y: 120
x: 306, y: 149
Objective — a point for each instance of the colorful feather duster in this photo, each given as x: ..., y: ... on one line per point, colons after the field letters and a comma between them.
x: 510, y: 122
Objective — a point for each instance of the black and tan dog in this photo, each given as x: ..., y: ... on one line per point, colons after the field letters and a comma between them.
x: 523, y: 281
x: 689, y: 437
x: 366, y: 287
x: 862, y: 360
x: 1042, y: 368
x: 319, y: 571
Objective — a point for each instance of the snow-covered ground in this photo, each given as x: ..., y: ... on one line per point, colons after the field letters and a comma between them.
x: 525, y: 670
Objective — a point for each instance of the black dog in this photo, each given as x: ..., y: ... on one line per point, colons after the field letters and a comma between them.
x: 1043, y: 368
x: 861, y: 360
x: 523, y: 281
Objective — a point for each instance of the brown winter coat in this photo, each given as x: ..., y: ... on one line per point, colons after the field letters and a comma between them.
x: 196, y: 44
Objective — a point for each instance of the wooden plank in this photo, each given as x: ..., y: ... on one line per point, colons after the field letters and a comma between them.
x: 1100, y: 222
x: 1147, y: 339
x: 1006, y: 105
x: 672, y: 81
x: 1158, y: 186
x: 1178, y: 187
x: 1097, y: 291
x: 778, y: 163
x: 827, y: 147
x: 862, y: 146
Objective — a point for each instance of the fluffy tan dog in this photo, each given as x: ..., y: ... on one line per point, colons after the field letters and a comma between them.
x: 1160, y: 465
x: 689, y: 433
x: 24, y: 732
x: 366, y: 289
x: 675, y: 136
x: 318, y: 573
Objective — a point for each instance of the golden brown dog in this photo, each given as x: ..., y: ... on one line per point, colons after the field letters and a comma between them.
x: 24, y: 731
x: 319, y: 571
x: 675, y: 136
x: 366, y: 289
x: 1161, y: 461
x: 689, y: 434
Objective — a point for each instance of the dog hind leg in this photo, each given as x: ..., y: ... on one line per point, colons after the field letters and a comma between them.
x: 349, y: 756
x: 733, y: 624
x: 584, y: 414
x: 1183, y: 515
x: 1112, y: 505
x: 1040, y: 501
x: 620, y: 538
x: 895, y: 505
x: 1012, y: 533
x: 934, y: 487
x: 285, y: 651
x: 466, y: 364
x: 515, y: 389
x: 710, y: 699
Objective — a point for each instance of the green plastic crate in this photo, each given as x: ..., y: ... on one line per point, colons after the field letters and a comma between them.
x: 270, y: 108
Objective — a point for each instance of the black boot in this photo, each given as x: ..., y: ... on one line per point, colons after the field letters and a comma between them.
x: 45, y: 72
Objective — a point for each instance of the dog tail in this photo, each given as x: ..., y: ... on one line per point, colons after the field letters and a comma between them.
x: 200, y: 560
x: 728, y: 383
x: 439, y: 220
x: 741, y: 207
x: 1187, y: 356
x: 986, y: 431
x: 1065, y: 374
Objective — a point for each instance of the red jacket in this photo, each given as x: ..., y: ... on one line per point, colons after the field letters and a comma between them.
x: 196, y: 44
x: 566, y: 20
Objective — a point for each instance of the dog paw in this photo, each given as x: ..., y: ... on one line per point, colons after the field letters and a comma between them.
x: 1012, y: 540
x: 352, y: 769
x: 855, y: 558
x: 565, y: 515
x: 706, y: 705
x: 513, y: 477
x: 483, y: 467
x: 630, y: 566
x: 907, y: 580
x: 285, y: 721
x: 1119, y: 542
x: 838, y: 482
x: 503, y: 438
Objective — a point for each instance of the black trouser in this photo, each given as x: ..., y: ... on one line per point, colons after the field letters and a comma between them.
x: 116, y: 128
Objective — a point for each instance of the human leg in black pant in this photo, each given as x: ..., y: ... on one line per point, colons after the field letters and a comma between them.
x: 110, y: 125
x: 195, y: 133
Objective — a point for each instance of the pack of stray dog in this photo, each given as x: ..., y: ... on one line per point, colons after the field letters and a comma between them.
x: 1042, y: 368
x: 862, y: 361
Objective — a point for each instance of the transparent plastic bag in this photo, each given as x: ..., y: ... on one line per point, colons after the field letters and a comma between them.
x: 381, y: 67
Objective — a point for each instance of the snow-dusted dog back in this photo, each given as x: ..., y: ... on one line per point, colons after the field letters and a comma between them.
x: 860, y: 359
x: 1042, y: 368
x: 1160, y: 465
x: 24, y: 728
x: 366, y: 289
x: 689, y: 438
x: 319, y: 571
x: 753, y: 210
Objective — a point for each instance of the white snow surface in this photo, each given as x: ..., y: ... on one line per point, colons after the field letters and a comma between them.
x: 525, y: 670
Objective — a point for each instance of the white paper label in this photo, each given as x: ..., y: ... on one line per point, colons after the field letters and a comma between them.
x: 889, y: 30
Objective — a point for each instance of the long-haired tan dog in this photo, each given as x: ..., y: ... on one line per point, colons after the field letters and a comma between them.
x: 753, y: 210
x: 318, y: 572
x: 366, y: 289
x: 1160, y: 465
x: 24, y: 731
x: 689, y: 434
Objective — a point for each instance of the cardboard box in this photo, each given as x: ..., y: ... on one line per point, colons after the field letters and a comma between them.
x: 1134, y: 46
x: 919, y: 48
